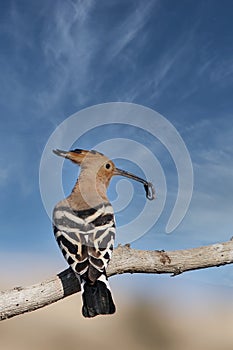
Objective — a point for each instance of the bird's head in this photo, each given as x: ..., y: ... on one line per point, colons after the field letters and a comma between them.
x: 97, y: 164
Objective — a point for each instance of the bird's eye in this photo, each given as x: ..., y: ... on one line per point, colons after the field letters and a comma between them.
x: 108, y: 166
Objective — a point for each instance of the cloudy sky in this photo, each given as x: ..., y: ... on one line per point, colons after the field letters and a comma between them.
x: 59, y: 57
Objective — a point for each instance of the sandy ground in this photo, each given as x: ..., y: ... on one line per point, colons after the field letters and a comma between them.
x: 138, y: 324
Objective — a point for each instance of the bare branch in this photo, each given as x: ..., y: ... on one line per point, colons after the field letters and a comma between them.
x: 125, y: 260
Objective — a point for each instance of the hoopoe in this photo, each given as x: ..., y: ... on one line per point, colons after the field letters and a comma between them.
x: 84, y: 227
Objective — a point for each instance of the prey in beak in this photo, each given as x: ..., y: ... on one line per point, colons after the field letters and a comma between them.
x: 150, y: 191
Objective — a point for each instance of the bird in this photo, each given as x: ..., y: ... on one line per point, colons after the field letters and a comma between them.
x: 84, y: 227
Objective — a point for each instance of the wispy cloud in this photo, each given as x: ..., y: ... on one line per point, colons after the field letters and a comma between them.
x: 168, y: 65
x: 67, y: 48
x: 82, y: 9
x: 72, y: 49
x: 130, y: 28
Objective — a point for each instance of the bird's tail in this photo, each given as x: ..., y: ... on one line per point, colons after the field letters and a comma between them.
x: 97, y: 299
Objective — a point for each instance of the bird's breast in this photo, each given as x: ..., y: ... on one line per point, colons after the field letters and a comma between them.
x: 83, y: 221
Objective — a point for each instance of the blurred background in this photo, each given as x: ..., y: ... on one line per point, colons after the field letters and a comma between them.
x: 175, y: 57
x: 157, y: 322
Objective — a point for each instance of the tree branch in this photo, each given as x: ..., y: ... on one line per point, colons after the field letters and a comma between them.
x: 125, y: 260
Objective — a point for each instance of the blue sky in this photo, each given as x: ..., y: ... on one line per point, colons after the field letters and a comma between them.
x: 58, y: 57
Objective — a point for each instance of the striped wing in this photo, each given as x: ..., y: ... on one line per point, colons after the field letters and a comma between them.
x: 85, y: 238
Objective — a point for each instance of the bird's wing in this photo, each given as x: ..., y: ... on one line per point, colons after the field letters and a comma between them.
x: 100, y: 243
x: 85, y: 238
x: 69, y: 230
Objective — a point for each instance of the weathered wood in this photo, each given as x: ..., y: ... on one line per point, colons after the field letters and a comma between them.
x: 125, y: 260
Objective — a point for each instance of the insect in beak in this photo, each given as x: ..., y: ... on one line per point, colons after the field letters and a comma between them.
x: 149, y: 188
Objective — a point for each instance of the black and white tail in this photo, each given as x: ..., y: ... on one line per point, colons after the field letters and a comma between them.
x: 97, y: 299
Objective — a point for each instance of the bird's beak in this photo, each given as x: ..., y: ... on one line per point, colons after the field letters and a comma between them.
x: 75, y: 156
x: 149, y: 188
